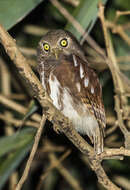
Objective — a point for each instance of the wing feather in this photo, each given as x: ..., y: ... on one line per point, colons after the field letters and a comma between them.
x: 93, y: 99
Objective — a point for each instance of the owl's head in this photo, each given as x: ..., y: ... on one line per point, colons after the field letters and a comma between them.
x: 57, y: 43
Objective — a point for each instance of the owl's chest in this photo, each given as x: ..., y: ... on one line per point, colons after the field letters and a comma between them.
x: 64, y: 75
x: 61, y: 88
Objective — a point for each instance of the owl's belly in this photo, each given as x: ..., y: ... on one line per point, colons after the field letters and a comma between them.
x: 79, y: 115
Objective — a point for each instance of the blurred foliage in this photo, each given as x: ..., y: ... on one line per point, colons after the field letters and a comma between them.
x: 26, y: 26
x: 17, y: 146
x: 86, y: 14
x: 13, y: 11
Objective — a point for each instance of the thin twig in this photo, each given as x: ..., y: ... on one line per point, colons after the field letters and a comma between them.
x: 114, y: 68
x: 120, y: 13
x: 51, y: 167
x: 6, y: 82
x: 109, y: 153
x: 16, y: 122
x: 64, y: 172
x: 125, y: 58
x: 32, y: 154
x: 122, y: 181
x: 17, y: 107
x: 75, y: 3
x: 119, y: 116
x: 118, y: 29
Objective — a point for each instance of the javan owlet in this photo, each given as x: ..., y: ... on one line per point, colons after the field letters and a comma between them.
x: 71, y: 84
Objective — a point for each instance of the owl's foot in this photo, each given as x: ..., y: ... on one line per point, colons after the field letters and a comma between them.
x: 56, y: 128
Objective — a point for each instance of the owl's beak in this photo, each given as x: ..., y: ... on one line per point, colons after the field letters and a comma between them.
x: 55, y: 52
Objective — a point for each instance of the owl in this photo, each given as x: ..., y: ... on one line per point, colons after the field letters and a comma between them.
x: 71, y: 84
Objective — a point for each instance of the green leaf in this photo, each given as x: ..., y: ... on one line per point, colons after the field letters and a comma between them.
x: 16, y: 141
x: 13, y: 11
x: 13, y: 160
x: 17, y: 146
x: 86, y: 14
x: 32, y: 108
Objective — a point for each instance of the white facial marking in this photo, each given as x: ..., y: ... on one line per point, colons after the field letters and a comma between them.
x: 54, y: 89
x: 75, y: 61
x: 81, y: 71
x: 86, y: 81
x: 92, y: 90
x: 78, y: 86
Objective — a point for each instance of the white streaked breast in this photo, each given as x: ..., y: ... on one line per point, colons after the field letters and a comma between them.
x: 43, y: 79
x: 54, y: 90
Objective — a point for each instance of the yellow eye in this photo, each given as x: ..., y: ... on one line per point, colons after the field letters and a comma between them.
x: 64, y: 42
x: 46, y: 47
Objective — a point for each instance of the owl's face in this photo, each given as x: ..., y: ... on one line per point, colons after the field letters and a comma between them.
x: 56, y: 43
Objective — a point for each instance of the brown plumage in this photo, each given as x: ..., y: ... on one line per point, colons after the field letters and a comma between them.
x: 72, y: 85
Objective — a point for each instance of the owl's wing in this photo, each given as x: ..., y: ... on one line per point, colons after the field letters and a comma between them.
x: 93, y: 92
x: 91, y: 95
x: 75, y: 70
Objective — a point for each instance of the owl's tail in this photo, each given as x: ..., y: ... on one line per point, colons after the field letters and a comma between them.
x: 98, y: 140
